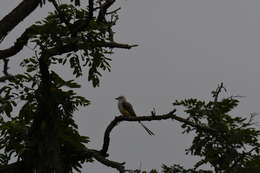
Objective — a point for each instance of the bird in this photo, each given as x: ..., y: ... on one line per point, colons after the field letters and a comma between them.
x: 126, y: 109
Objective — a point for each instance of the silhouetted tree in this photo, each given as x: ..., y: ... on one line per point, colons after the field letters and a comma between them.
x: 225, y: 142
x: 37, y: 105
x: 37, y: 130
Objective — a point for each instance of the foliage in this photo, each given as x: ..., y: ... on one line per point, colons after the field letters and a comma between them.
x: 16, y: 127
x: 227, y: 143
x: 37, y: 105
x: 179, y: 169
x: 89, y: 38
x: 233, y: 141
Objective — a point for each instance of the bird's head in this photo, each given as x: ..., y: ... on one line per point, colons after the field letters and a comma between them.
x: 120, y: 98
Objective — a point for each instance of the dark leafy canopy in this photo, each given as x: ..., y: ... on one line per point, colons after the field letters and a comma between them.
x: 233, y: 142
x: 88, y: 40
x: 17, y: 128
x: 227, y: 143
x: 37, y: 105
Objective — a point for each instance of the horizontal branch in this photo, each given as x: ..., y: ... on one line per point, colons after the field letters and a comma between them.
x: 22, y: 41
x: 170, y: 115
x: 116, y: 45
x: 125, y: 118
x: 78, y: 46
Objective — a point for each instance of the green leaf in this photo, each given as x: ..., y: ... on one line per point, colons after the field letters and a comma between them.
x: 72, y: 84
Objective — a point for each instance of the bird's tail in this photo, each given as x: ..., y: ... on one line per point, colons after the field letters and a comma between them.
x: 146, y: 129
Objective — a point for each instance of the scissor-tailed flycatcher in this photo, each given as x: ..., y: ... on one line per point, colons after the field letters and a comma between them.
x: 125, y: 108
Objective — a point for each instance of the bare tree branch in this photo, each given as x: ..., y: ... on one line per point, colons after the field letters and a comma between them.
x: 19, y: 44
x: 170, y: 115
x: 218, y: 91
x: 77, y: 46
x: 10, y: 21
x: 99, y: 157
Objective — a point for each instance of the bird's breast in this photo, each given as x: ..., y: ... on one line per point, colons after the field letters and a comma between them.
x: 122, y: 110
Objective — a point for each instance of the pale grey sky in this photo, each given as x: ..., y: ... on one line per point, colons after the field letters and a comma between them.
x: 186, y: 47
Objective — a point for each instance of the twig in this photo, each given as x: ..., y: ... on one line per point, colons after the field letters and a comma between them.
x: 103, y: 9
x: 218, y: 91
x: 5, y: 70
x: 153, y: 112
x: 114, y: 11
x: 6, y: 76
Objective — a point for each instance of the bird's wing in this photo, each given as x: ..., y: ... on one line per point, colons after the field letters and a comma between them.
x: 129, y: 108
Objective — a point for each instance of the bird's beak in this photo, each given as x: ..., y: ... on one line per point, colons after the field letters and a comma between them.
x: 117, y: 98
